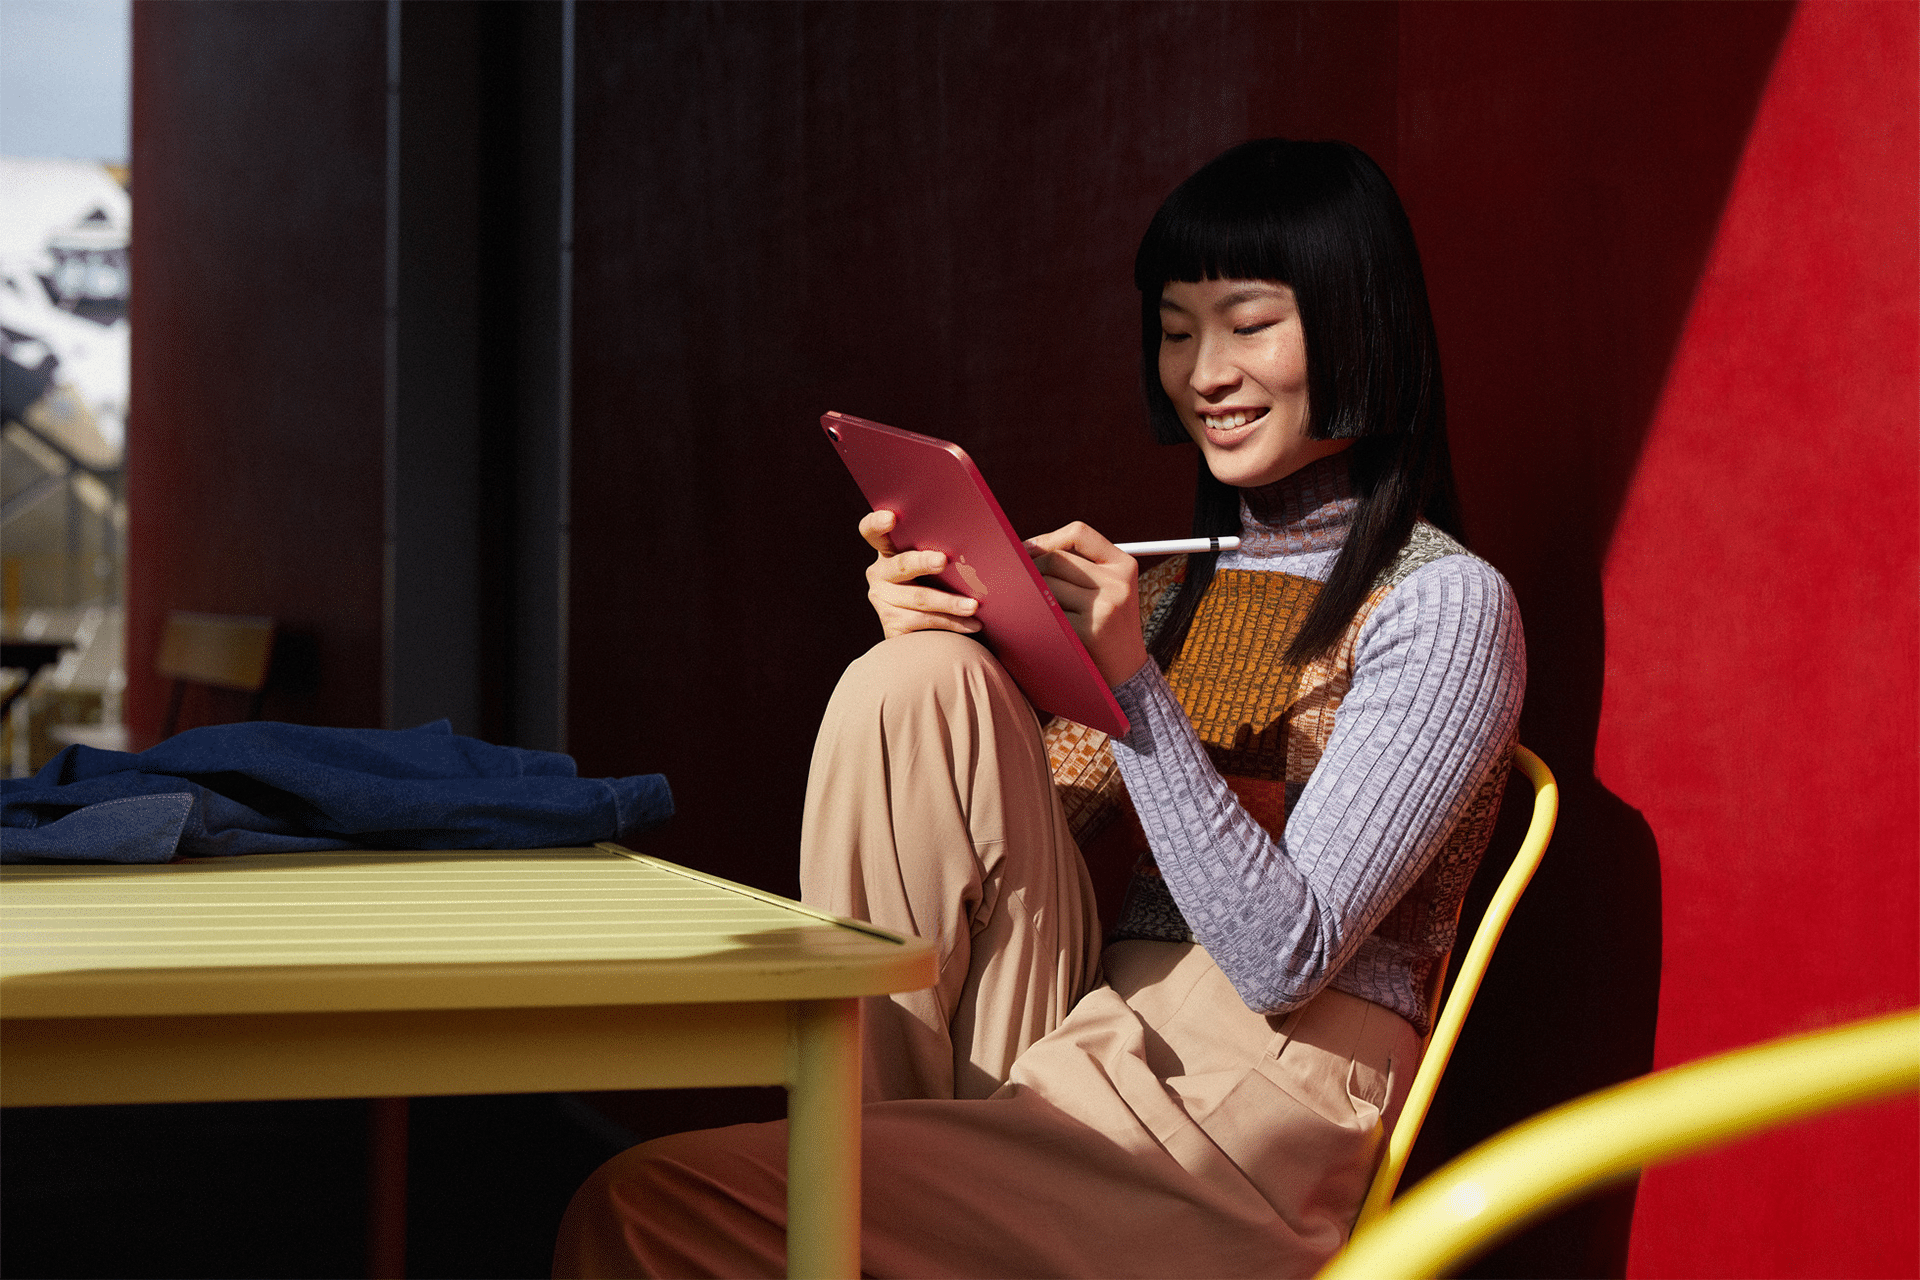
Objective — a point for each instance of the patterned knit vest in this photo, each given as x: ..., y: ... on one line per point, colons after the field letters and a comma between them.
x: 1265, y: 723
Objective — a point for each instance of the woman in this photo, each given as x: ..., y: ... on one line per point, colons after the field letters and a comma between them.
x: 1321, y: 724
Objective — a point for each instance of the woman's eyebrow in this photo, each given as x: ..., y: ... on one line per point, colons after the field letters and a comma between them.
x: 1228, y: 301
x: 1250, y: 293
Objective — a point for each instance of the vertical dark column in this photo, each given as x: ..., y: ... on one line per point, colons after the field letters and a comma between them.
x: 527, y: 229
x: 433, y: 397
x: 476, y: 392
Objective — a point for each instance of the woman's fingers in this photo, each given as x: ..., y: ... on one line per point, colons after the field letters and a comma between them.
x: 1084, y: 541
x: 1097, y: 585
x: 900, y: 600
x: 906, y: 566
x: 1066, y: 567
x: 1080, y: 555
x: 877, y: 528
x: 912, y: 608
x: 904, y: 606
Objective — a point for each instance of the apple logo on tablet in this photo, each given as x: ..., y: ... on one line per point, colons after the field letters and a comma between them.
x: 971, y: 576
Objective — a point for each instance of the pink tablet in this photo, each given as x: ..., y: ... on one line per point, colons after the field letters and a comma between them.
x: 943, y: 504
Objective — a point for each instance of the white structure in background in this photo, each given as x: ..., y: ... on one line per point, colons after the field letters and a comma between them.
x: 64, y: 232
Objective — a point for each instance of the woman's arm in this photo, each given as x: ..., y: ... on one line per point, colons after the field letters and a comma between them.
x: 1438, y: 677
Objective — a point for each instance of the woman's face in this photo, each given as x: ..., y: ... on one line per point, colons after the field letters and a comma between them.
x: 1233, y: 359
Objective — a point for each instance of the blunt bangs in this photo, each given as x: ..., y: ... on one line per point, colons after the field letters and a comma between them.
x: 1321, y: 218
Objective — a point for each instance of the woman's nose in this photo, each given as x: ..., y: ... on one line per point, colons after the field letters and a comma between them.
x: 1213, y: 370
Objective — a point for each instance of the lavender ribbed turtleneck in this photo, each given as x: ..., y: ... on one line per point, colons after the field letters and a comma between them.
x: 1438, y: 673
x: 1310, y: 510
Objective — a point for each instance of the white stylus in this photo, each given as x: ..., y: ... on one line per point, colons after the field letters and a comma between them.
x: 1178, y: 546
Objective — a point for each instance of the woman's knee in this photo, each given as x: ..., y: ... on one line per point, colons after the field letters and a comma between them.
x: 924, y: 669
x: 918, y: 658
x: 708, y: 1202
x: 597, y: 1236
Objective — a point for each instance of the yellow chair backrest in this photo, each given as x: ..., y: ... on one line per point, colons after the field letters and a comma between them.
x: 217, y: 650
x: 227, y: 652
x: 1446, y: 1026
x: 1527, y: 1170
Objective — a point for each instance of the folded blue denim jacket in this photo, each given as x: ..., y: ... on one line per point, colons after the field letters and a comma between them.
x: 265, y: 787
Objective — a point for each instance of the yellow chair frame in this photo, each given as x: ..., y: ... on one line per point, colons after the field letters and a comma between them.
x: 218, y: 650
x: 1538, y: 1164
x: 1446, y: 1027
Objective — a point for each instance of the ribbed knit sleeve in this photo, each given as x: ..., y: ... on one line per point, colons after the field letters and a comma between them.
x: 1438, y: 677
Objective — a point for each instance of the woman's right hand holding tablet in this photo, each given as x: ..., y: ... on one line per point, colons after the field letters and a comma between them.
x: 903, y: 604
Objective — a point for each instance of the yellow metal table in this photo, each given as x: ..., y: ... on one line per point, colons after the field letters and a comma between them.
x: 344, y: 975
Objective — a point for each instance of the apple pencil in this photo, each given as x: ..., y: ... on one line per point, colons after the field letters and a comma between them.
x: 1178, y: 546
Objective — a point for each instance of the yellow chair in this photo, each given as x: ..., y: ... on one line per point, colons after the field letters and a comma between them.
x: 218, y: 651
x: 213, y: 650
x: 1446, y: 1027
x: 1540, y: 1163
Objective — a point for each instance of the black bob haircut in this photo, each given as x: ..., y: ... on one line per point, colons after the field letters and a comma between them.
x: 1321, y: 218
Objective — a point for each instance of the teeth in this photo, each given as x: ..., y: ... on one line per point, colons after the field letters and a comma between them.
x: 1228, y: 421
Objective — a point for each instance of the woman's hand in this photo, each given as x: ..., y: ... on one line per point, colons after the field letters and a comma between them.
x: 902, y: 605
x: 1098, y: 587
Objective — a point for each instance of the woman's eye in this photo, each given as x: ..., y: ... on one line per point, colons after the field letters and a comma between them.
x: 1172, y: 337
x: 1248, y: 330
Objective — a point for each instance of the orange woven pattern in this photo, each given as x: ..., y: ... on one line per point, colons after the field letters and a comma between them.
x: 1085, y: 776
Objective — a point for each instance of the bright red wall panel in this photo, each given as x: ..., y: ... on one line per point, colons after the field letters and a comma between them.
x: 1762, y: 640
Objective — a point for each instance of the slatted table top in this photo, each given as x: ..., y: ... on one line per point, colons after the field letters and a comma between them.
x: 295, y: 933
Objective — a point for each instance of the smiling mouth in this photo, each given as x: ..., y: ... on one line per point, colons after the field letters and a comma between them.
x: 1232, y: 420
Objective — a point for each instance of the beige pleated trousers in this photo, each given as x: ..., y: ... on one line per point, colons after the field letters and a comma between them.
x: 1028, y: 1115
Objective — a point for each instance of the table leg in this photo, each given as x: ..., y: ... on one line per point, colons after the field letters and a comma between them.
x: 823, y: 1141
x: 387, y: 1188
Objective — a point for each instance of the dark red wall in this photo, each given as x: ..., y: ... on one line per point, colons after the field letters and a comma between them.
x: 255, y: 447
x: 924, y: 214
